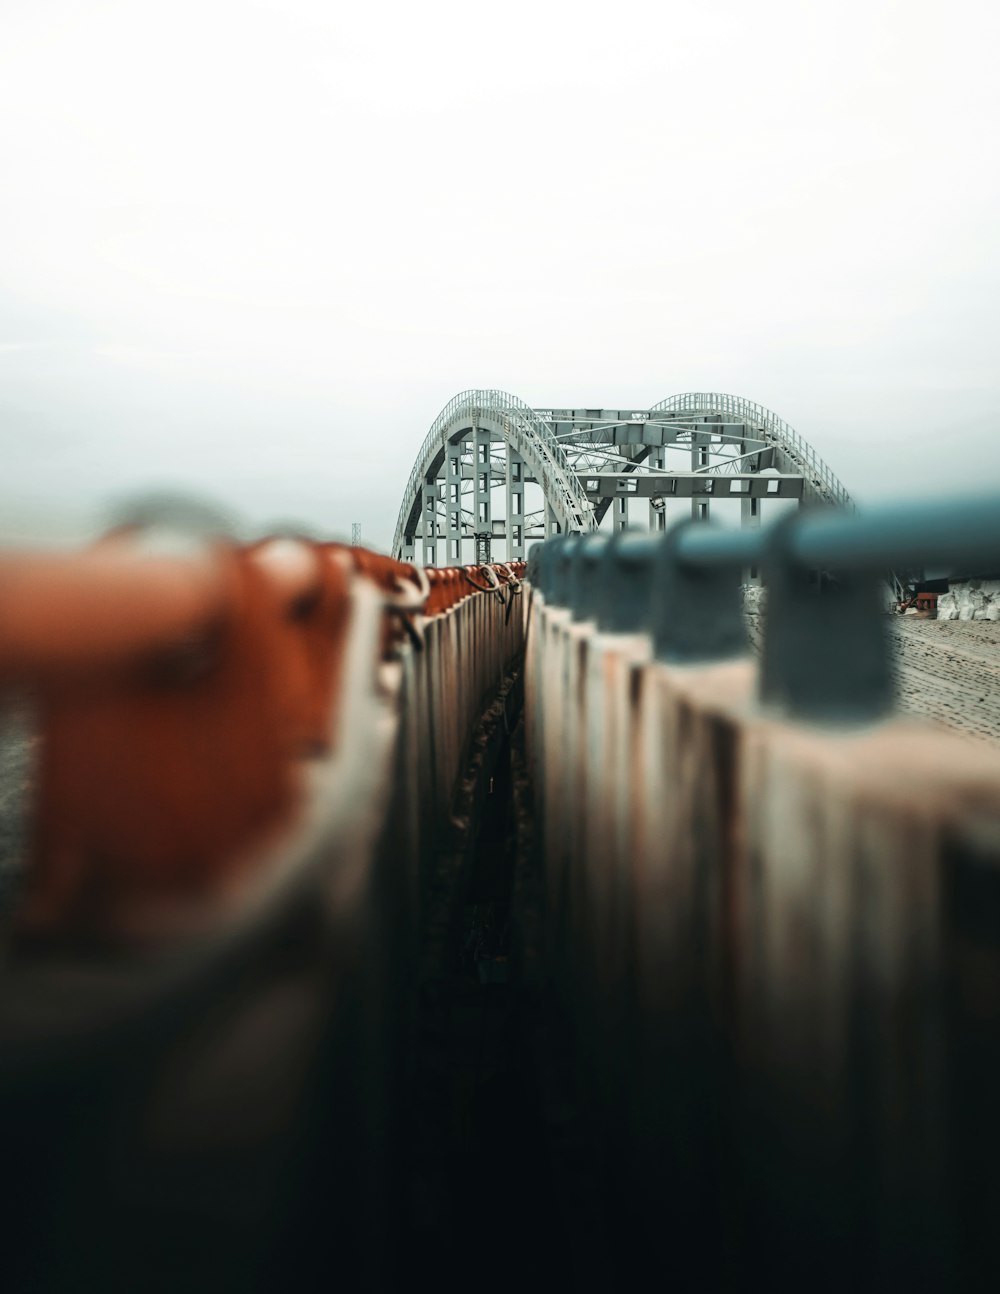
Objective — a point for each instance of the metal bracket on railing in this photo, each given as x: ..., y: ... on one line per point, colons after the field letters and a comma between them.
x: 408, y: 601
x: 697, y: 610
x: 558, y: 573
x: 165, y: 523
x: 515, y: 589
x: 626, y: 583
x: 585, y: 576
x: 826, y: 655
x: 545, y: 571
x: 411, y: 599
x: 512, y: 579
x: 492, y: 584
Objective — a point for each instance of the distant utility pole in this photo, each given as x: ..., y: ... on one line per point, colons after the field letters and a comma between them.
x: 355, y: 534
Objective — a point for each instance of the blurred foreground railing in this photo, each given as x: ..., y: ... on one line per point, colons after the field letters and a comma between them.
x: 245, y: 756
x: 773, y: 906
x: 771, y: 928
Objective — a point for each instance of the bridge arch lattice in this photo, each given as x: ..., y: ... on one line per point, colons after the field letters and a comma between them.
x: 588, y: 461
x: 820, y: 481
x: 497, y: 415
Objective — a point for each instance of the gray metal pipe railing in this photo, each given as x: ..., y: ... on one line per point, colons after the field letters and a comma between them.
x: 765, y: 913
x: 892, y: 535
x: 952, y: 532
x: 887, y: 536
x: 825, y: 651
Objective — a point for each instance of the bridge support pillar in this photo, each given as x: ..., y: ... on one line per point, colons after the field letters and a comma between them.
x: 657, y: 516
x: 453, y: 500
x: 701, y: 442
x: 481, y: 479
x: 515, y: 505
x: 621, y: 512
x: 428, y: 512
x: 551, y: 525
x: 750, y: 519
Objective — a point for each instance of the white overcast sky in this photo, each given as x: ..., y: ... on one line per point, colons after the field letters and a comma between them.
x: 250, y: 249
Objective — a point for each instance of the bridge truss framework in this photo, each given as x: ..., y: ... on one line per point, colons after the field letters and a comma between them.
x: 703, y: 446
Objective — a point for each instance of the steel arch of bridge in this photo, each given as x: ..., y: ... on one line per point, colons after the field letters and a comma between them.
x: 825, y: 486
x: 568, y: 451
x: 521, y: 428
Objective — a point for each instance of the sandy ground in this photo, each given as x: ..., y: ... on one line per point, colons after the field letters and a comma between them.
x: 948, y: 671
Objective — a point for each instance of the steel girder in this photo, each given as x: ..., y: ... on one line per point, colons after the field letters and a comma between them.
x: 821, y: 485
x: 558, y: 462
x: 520, y: 426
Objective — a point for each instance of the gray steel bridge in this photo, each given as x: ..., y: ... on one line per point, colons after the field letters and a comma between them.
x: 589, y: 462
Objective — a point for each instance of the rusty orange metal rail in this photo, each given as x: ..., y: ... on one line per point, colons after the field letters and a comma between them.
x: 179, y: 696
x: 245, y: 755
